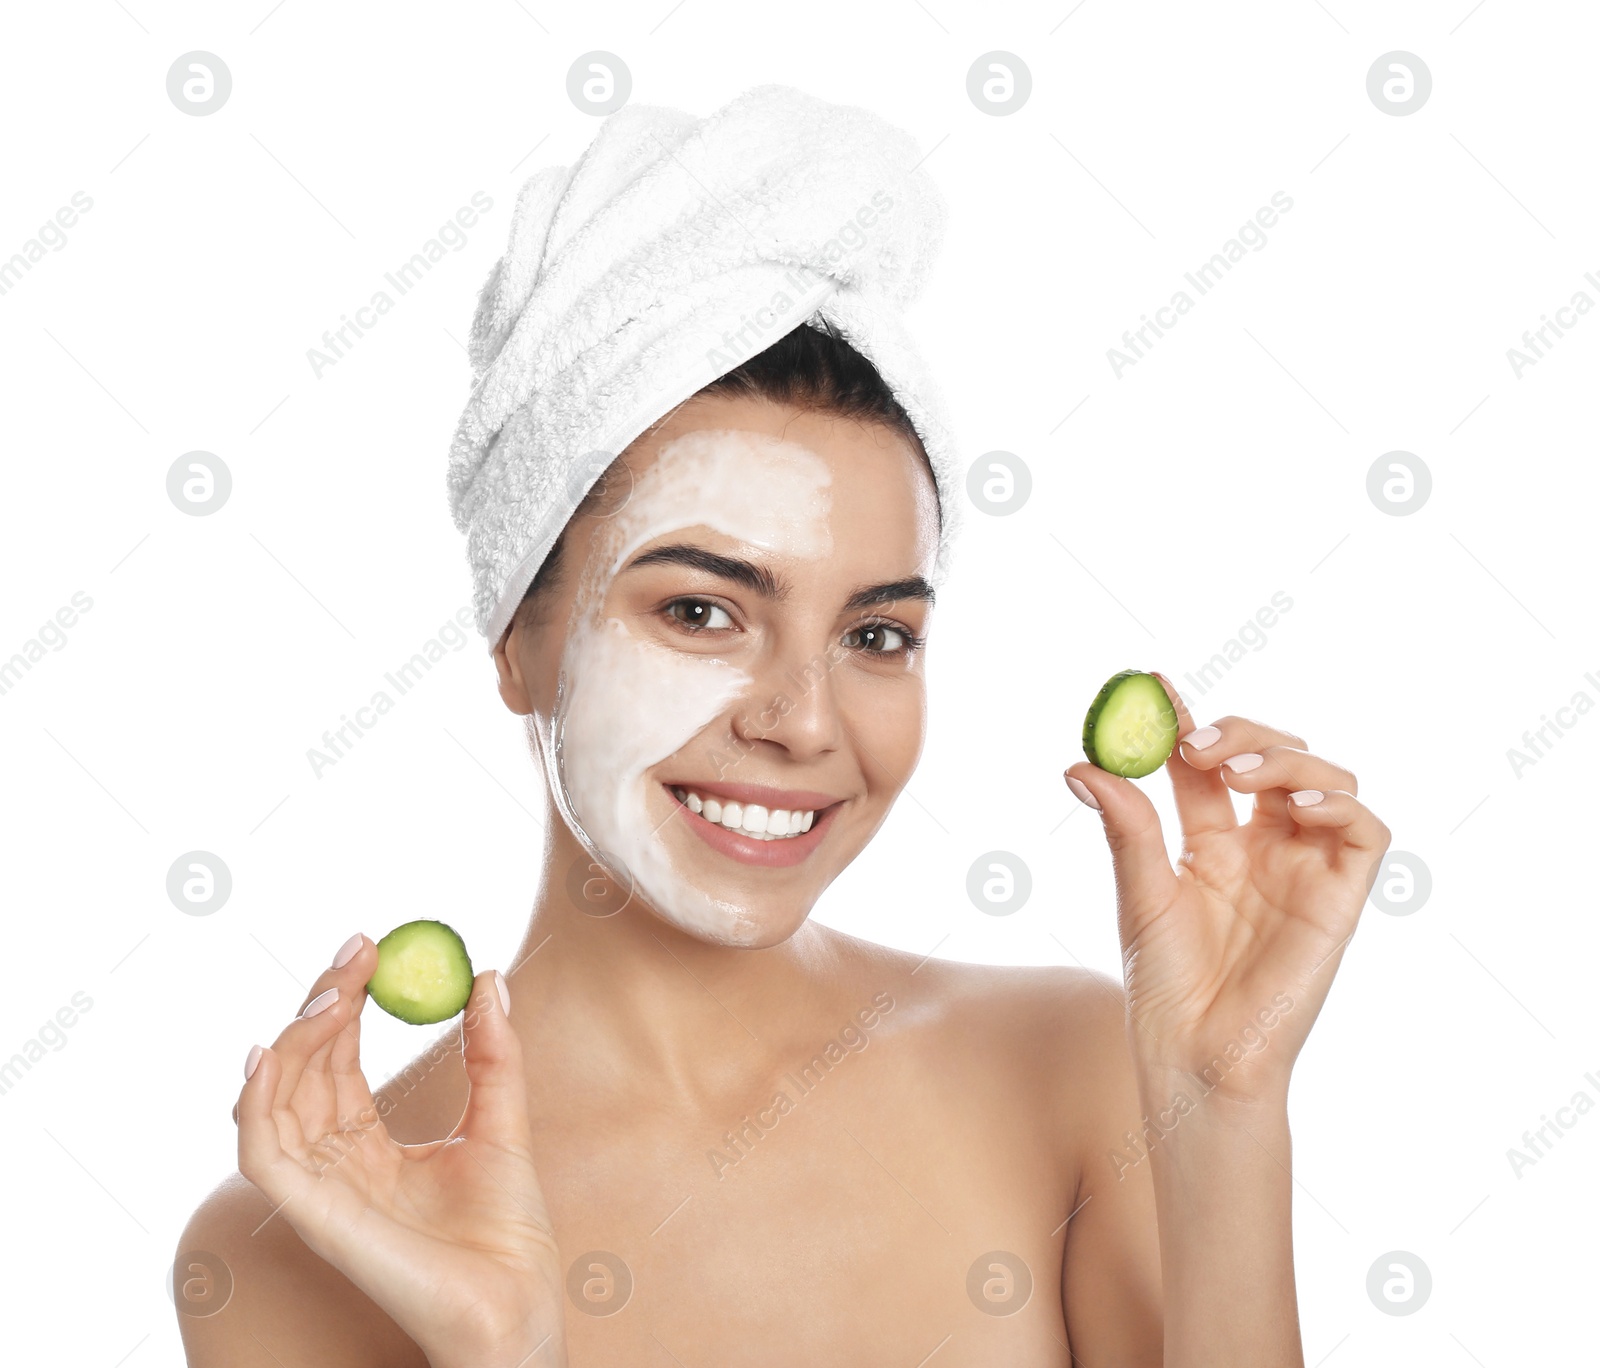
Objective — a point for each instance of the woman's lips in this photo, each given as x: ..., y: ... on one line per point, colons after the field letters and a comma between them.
x: 791, y: 850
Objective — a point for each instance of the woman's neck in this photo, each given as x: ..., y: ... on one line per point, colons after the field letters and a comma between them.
x: 627, y: 1003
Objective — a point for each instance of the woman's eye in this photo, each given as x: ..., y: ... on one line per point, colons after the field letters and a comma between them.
x: 698, y: 613
x: 877, y: 638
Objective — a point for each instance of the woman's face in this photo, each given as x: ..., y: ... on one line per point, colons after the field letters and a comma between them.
x: 725, y: 682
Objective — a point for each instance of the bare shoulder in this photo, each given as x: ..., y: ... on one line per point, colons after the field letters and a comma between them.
x: 1057, y: 1031
x: 1046, y: 1047
x: 267, y: 1300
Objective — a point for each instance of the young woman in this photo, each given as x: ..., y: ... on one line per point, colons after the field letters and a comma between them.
x: 695, y: 1127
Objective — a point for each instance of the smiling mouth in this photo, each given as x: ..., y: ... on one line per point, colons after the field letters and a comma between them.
x: 757, y: 833
x: 747, y: 819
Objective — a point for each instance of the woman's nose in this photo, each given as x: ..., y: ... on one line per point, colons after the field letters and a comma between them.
x: 793, y: 704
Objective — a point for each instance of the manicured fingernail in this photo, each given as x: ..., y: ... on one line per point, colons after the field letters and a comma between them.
x: 505, y: 993
x: 251, y: 1060
x: 323, y: 1000
x: 1306, y: 797
x: 1240, y: 763
x: 1081, y: 791
x: 1200, y: 738
x: 347, y: 951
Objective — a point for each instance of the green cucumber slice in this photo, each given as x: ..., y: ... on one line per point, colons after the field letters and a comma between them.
x: 1131, y: 726
x: 423, y: 973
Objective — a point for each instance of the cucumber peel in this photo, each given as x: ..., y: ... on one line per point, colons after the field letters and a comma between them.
x: 423, y: 974
x: 1131, y: 726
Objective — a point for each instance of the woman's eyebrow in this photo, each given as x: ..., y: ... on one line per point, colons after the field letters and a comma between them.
x: 760, y: 580
x: 912, y: 587
x: 756, y: 578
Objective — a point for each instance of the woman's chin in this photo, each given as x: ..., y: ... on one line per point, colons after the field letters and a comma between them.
x: 730, y: 917
x: 773, y: 926
x: 729, y: 887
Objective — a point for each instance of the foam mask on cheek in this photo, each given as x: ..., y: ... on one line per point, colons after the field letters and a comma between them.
x: 625, y: 703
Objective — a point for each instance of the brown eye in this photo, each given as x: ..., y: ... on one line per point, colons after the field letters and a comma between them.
x: 697, y: 613
x: 876, y: 638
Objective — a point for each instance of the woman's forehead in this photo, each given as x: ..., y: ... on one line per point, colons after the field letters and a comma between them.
x: 791, y: 481
x: 746, y: 483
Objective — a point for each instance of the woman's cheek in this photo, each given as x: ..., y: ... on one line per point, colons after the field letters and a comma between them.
x: 890, y: 715
x: 632, y: 704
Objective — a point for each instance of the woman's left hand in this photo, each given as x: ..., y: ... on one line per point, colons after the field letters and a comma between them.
x: 1228, y: 958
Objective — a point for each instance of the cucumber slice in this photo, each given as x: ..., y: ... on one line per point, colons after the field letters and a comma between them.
x: 1132, y: 726
x: 423, y: 973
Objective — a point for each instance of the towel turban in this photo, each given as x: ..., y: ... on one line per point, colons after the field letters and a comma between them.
x: 673, y: 250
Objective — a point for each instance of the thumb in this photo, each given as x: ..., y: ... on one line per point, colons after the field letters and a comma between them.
x: 1145, y: 879
x: 497, y: 1103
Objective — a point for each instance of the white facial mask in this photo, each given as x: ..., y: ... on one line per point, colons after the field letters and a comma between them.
x: 624, y: 703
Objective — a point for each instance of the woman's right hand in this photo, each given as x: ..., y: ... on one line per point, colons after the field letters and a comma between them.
x: 451, y: 1238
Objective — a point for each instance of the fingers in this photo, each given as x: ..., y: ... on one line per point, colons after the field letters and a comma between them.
x: 1365, y: 837
x: 495, y: 1128
x: 1203, y: 802
x: 326, y: 1215
x: 1291, y: 785
x: 279, y: 1172
x: 497, y: 1105
x: 1245, y: 733
x: 1145, y: 880
x: 340, y: 1059
x: 302, y: 1104
x: 1240, y: 740
x: 308, y: 1084
x: 1273, y: 772
x: 307, y: 1103
x: 349, y: 960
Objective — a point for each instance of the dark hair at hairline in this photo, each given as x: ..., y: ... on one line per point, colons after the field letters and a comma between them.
x: 811, y: 367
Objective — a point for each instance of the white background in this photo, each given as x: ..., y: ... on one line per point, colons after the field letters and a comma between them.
x: 1231, y: 462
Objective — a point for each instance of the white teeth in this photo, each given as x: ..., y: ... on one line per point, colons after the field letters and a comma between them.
x: 748, y: 819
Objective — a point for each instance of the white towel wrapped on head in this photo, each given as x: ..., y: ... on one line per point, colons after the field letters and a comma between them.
x: 672, y: 251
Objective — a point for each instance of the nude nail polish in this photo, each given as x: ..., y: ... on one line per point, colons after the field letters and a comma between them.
x: 1240, y: 764
x: 323, y: 1000
x: 1080, y: 790
x: 251, y: 1060
x: 1201, y: 737
x: 347, y: 951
